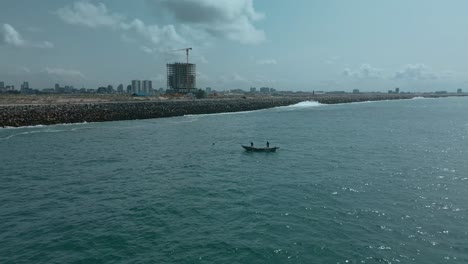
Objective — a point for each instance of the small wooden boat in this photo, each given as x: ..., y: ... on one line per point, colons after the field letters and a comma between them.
x: 254, y: 149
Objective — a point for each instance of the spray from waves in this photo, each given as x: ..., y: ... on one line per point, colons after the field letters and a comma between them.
x: 39, y: 126
x: 42, y: 129
x: 225, y: 113
x: 301, y: 105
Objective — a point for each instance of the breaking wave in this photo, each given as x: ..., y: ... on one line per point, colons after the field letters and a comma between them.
x: 305, y: 104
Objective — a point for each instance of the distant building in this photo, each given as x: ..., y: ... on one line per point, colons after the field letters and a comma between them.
x: 136, y: 86
x: 110, y: 89
x: 48, y: 90
x: 129, y: 89
x: 264, y: 90
x: 397, y: 90
x: 181, y: 77
x: 459, y: 91
x: 102, y: 90
x: 253, y: 89
x: 25, y: 88
x: 208, y: 89
x: 2, y: 85
x: 120, y: 89
x: 147, y: 86
x: 237, y: 91
x: 355, y: 91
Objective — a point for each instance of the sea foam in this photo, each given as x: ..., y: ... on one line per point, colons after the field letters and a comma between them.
x: 305, y: 104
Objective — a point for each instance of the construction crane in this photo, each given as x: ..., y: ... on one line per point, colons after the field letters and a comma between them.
x: 187, y: 68
x: 186, y: 52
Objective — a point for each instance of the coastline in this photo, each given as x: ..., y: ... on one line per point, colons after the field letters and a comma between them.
x: 49, y: 112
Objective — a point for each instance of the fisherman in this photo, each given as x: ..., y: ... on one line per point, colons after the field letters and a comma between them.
x: 268, y: 144
x: 251, y: 144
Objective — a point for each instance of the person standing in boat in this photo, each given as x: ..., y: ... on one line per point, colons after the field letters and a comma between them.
x: 251, y: 144
x: 268, y: 144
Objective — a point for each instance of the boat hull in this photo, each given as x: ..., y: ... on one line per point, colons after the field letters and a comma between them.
x: 254, y: 149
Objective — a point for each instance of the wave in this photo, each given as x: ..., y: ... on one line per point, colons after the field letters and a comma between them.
x: 39, y: 126
x: 305, y: 104
x: 43, y: 129
x: 225, y: 113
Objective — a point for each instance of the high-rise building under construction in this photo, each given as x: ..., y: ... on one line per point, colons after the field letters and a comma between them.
x: 181, y: 77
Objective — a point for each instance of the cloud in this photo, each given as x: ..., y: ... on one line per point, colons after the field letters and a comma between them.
x: 11, y: 36
x: 219, y: 18
x: 90, y: 15
x: 267, y: 62
x: 365, y: 71
x: 332, y: 60
x: 146, y: 49
x: 202, y: 77
x: 97, y: 15
x: 263, y: 80
x: 44, y: 45
x: 64, y: 73
x: 415, y: 72
x: 165, y: 36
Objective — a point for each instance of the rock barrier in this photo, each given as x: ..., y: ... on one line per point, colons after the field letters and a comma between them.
x: 30, y: 115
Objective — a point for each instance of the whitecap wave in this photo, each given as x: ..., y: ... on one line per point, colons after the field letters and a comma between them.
x: 224, y: 113
x: 301, y: 105
x: 40, y: 126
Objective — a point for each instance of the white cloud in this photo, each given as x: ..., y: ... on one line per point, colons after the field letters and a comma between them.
x: 201, y: 58
x: 146, y: 49
x: 237, y: 78
x: 97, y: 15
x: 44, y: 45
x: 87, y: 14
x: 415, y: 72
x: 262, y: 80
x: 332, y: 60
x: 64, y: 73
x: 226, y: 18
x: 11, y: 36
x: 164, y: 37
x: 267, y: 62
x: 365, y: 71
x: 202, y: 77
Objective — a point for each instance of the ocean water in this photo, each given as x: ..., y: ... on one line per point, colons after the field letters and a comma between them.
x: 375, y: 182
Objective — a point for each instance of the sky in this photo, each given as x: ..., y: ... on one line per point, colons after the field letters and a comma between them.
x: 300, y: 45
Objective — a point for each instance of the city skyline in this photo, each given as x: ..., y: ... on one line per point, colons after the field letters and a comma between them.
x: 332, y: 45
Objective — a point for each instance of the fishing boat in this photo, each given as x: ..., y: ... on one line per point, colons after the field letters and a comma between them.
x: 254, y: 149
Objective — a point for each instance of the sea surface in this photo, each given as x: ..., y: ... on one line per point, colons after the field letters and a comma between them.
x: 373, y: 182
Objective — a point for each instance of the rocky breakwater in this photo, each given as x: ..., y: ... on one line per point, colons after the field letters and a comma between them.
x: 30, y: 115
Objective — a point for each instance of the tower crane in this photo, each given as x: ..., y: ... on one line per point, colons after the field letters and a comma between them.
x: 187, y: 67
x: 186, y: 52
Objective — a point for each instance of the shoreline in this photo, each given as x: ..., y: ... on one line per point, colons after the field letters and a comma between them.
x: 73, y: 111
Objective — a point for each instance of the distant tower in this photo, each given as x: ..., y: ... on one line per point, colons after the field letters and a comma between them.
x: 397, y: 90
x: 147, y: 86
x: 181, y: 77
x: 136, y: 86
x: 2, y: 85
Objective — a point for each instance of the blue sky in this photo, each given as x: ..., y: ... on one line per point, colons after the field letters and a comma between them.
x: 306, y: 45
